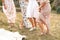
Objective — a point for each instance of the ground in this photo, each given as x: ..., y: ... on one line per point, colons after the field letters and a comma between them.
x: 35, y: 35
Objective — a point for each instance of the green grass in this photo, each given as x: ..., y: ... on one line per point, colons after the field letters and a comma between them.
x: 35, y: 35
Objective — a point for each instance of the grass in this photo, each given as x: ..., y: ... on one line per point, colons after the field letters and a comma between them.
x: 35, y: 35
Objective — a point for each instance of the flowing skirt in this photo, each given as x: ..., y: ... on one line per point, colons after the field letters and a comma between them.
x: 10, y: 12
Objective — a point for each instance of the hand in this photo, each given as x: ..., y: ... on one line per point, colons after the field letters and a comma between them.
x: 39, y: 9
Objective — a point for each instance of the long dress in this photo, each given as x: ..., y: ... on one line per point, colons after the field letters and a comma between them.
x: 23, y: 6
x: 10, y: 11
x: 46, y: 11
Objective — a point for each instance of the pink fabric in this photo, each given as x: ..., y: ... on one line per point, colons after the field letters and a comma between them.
x: 10, y: 12
x: 46, y: 11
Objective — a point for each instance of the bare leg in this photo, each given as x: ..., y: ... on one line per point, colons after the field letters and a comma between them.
x: 45, y: 26
x: 43, y: 20
x: 41, y: 27
x: 21, y: 25
x: 32, y: 20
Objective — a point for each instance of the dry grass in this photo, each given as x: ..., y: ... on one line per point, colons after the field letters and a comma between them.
x: 35, y: 35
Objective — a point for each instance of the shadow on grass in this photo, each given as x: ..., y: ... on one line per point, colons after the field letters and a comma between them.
x: 48, y: 37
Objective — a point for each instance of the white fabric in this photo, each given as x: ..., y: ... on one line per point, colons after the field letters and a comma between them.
x: 23, y: 5
x: 32, y: 9
x: 7, y: 35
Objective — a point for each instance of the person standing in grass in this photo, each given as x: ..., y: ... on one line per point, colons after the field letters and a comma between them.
x: 45, y: 10
x: 32, y: 13
x: 24, y: 22
x: 10, y: 11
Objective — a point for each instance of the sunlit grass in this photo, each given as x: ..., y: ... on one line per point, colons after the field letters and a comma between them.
x: 35, y: 35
